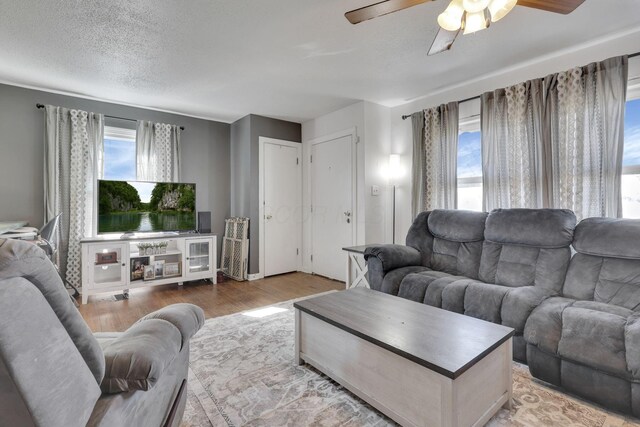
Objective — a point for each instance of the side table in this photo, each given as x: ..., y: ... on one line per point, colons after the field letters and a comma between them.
x: 355, y: 261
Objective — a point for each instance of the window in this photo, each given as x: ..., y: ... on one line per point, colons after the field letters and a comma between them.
x: 470, y: 165
x: 631, y: 161
x: 119, y: 154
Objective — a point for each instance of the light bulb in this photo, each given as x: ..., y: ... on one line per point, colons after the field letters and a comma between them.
x: 499, y: 8
x: 475, y: 6
x: 474, y: 22
x: 451, y: 18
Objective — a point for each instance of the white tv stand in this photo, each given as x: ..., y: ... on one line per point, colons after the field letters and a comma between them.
x: 108, y: 261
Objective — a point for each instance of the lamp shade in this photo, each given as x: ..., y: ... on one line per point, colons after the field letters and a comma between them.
x: 499, y: 8
x: 451, y: 18
x: 475, y: 22
x: 475, y: 6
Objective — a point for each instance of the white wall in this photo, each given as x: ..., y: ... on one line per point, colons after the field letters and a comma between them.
x: 401, y: 138
x: 377, y: 209
x: 372, y: 124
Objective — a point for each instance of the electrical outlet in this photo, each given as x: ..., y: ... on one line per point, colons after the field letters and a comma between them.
x: 375, y: 190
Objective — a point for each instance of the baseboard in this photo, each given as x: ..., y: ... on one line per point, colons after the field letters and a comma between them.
x: 256, y: 276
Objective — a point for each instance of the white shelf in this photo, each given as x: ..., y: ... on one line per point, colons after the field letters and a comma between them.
x: 95, y: 281
x: 168, y: 252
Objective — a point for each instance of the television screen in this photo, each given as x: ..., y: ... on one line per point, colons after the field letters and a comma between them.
x: 136, y: 206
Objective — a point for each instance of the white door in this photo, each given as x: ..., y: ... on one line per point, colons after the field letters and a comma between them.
x: 332, y: 205
x: 282, y: 207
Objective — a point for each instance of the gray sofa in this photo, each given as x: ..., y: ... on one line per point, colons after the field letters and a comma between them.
x: 496, y: 267
x: 577, y: 318
x: 588, y: 340
x: 55, y: 372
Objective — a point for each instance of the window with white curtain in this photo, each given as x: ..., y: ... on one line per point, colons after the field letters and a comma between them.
x: 469, y: 164
x: 631, y: 160
x: 119, y: 154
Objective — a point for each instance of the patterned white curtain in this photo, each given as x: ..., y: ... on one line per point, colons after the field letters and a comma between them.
x: 438, y: 181
x: 512, y: 147
x: 73, y: 162
x: 586, y: 135
x: 157, y: 152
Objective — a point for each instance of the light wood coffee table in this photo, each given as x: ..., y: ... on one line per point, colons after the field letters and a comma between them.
x: 419, y: 365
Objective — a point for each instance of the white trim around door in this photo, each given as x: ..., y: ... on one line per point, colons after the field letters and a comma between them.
x: 352, y: 132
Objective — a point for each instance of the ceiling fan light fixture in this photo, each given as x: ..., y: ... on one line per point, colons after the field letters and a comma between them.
x: 500, y: 8
x: 451, y: 18
x: 475, y: 6
x: 474, y: 22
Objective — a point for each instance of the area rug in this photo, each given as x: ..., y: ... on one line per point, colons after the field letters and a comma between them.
x: 242, y: 373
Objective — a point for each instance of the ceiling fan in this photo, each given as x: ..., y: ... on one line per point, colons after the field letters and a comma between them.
x: 467, y: 16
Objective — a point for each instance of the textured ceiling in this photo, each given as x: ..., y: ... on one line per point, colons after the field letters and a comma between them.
x: 291, y: 59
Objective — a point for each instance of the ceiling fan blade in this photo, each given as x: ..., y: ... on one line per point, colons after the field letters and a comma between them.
x: 443, y: 41
x: 378, y: 9
x: 557, y: 6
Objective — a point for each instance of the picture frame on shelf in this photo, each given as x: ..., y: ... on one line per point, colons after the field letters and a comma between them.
x: 107, y: 258
x: 171, y: 269
x: 137, y: 267
x: 149, y: 272
x: 158, y: 267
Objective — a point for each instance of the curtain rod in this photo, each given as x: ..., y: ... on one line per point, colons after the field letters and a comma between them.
x: 40, y: 106
x: 406, y: 116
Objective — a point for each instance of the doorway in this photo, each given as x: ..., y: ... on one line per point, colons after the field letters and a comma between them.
x: 333, y: 216
x: 280, y: 206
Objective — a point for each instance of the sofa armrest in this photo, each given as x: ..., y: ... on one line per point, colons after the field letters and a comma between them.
x: 632, y: 344
x: 518, y: 304
x: 137, y: 358
x: 394, y: 256
x: 188, y: 318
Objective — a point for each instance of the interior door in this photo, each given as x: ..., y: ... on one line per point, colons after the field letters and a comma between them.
x: 332, y: 205
x: 282, y: 208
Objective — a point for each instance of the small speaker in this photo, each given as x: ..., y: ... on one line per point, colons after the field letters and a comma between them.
x: 204, y: 222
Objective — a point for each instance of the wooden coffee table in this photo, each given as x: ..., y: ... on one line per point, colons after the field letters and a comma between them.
x: 419, y: 365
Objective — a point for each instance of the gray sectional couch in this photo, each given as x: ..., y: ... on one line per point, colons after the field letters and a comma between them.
x: 55, y: 372
x: 577, y: 318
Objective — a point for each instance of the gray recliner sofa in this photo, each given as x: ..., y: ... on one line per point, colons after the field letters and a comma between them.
x: 55, y: 372
x: 588, y: 340
x: 496, y: 267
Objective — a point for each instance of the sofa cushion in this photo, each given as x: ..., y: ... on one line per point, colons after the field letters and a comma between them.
x: 391, y: 281
x: 608, y: 237
x: 543, y: 328
x: 608, y: 280
x: 453, y: 295
x: 527, y: 247
x: 137, y: 359
x: 484, y: 301
x: 518, y: 304
x: 457, y: 241
x: 457, y: 225
x: 414, y: 285
x: 595, y: 336
x: 540, y: 228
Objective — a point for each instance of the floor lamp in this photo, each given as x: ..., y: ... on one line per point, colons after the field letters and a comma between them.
x: 394, y: 174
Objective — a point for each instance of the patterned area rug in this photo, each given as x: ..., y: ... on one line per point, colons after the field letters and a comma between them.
x: 242, y: 373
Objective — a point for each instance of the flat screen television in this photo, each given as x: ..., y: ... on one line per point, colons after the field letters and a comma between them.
x: 138, y: 206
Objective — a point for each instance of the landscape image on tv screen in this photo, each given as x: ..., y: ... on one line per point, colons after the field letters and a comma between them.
x: 135, y: 206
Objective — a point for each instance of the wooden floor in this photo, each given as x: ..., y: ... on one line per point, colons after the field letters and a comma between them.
x: 105, y: 314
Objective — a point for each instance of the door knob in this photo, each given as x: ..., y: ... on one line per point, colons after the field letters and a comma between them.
x: 268, y: 217
x: 347, y: 214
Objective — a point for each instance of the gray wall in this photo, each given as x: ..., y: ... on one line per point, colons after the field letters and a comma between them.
x: 205, y: 153
x: 245, y: 169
